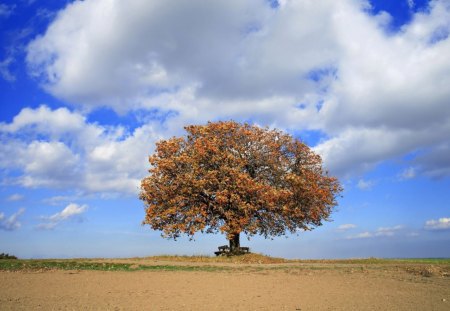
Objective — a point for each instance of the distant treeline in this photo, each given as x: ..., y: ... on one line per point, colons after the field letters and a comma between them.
x: 7, y: 256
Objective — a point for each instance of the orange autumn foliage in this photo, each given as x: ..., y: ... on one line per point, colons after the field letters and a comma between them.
x: 236, y: 178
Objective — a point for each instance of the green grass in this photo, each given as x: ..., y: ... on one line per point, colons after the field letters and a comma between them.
x: 20, y: 265
x: 14, y: 265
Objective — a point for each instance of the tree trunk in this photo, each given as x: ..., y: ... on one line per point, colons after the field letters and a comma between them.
x: 235, y: 243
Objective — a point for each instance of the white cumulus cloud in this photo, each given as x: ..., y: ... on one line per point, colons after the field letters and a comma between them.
x: 375, y: 95
x: 408, y: 173
x: 5, y: 71
x: 71, y: 211
x: 15, y: 197
x: 388, y: 231
x: 380, y: 232
x: 12, y: 222
x: 362, y: 235
x: 439, y: 224
x: 365, y: 184
x: 346, y: 227
x: 61, y: 149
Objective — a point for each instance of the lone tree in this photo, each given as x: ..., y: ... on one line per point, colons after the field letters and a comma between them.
x: 232, y: 178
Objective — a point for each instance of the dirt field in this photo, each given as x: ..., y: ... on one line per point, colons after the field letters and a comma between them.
x: 230, y: 286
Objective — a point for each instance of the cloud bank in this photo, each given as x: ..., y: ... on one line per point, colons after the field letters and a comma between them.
x: 373, y: 94
x: 61, y: 149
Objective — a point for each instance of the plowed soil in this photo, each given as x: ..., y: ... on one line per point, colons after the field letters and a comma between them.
x: 283, y: 286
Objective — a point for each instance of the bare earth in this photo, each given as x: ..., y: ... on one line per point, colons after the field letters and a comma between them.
x: 243, y: 287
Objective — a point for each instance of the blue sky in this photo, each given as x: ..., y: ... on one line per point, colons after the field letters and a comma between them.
x: 88, y: 87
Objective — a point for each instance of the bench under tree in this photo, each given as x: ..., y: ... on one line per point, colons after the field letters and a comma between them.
x: 225, y: 250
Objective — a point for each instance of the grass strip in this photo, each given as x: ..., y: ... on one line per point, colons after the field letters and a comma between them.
x: 24, y: 265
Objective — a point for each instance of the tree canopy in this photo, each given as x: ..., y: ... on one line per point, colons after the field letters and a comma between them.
x: 236, y: 178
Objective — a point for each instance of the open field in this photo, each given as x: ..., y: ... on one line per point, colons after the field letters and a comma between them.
x: 250, y: 282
